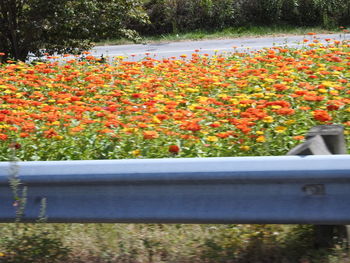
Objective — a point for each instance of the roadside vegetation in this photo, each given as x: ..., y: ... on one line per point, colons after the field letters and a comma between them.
x: 182, y: 19
x: 235, y: 105
x: 63, y: 26
x: 72, y: 26
x: 226, y: 33
x: 155, y: 243
x: 260, y: 103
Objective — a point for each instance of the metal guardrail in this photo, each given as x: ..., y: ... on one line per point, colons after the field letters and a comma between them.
x: 279, y: 189
x: 325, y: 140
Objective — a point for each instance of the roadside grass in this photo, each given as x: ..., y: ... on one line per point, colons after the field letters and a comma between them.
x: 158, y: 243
x: 231, y: 32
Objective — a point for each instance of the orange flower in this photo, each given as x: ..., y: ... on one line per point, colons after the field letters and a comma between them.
x: 261, y: 138
x: 191, y: 126
x: 321, y: 115
x: 3, y: 137
x: 285, y: 111
x: 77, y: 129
x: 280, y: 87
x: 24, y: 134
x: 50, y: 133
x: 298, y: 137
x: 147, y: 135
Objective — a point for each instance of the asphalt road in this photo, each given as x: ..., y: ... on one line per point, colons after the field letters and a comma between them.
x: 211, y: 47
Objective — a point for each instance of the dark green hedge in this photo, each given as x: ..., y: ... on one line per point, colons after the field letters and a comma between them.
x: 172, y: 16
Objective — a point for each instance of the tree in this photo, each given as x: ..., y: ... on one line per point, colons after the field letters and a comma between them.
x: 63, y: 26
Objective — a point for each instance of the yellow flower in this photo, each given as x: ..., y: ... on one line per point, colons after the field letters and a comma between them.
x: 129, y: 130
x: 328, y: 83
x: 322, y: 90
x: 257, y: 89
x: 261, y: 139
x: 276, y: 107
x: 258, y: 95
x: 334, y: 93
x: 280, y: 129
x: 156, y: 120
x: 212, y: 139
x: 268, y: 119
x: 244, y: 148
x: 191, y: 90
x: 193, y: 106
x: 289, y: 122
x: 136, y: 153
x: 202, y: 99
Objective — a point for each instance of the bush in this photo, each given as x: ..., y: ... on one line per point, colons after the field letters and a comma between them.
x: 172, y: 16
x: 63, y: 26
x: 264, y: 244
x: 30, y: 244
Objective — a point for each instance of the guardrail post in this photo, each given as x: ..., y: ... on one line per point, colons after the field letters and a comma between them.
x: 324, y: 140
x: 332, y: 135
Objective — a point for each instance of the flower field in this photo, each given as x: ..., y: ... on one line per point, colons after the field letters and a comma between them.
x: 259, y: 103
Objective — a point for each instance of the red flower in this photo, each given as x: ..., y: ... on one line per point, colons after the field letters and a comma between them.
x: 334, y: 105
x: 174, y: 149
x: 15, y: 145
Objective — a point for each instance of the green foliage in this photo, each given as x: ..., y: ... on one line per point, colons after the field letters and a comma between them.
x: 157, y: 243
x: 174, y: 16
x: 332, y: 11
x: 63, y: 26
x: 28, y: 244
x: 258, y: 12
x: 264, y: 244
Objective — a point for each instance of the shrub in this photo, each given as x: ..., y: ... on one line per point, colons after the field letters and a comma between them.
x: 172, y: 16
x: 31, y: 244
